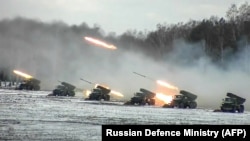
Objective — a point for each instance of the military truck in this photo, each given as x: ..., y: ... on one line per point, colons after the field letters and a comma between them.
x: 233, y: 103
x: 99, y: 93
x: 183, y: 100
x: 65, y: 89
x: 144, y: 97
x: 29, y: 84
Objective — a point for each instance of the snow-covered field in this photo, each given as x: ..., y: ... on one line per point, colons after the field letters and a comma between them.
x: 31, y: 115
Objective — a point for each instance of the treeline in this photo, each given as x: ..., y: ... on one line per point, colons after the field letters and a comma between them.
x: 6, y: 75
x: 221, y: 38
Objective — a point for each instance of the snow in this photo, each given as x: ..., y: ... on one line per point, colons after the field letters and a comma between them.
x: 32, y: 115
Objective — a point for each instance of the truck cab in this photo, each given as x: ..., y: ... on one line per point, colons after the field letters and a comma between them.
x: 65, y: 89
x: 30, y: 84
x: 229, y: 100
x: 144, y: 97
x: 99, y: 93
x: 183, y: 100
x: 232, y: 103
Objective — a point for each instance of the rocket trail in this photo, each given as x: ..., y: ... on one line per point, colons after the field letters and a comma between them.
x: 86, y: 81
x: 22, y: 74
x: 139, y: 74
x: 100, y: 43
x: 160, y: 82
x: 144, y: 76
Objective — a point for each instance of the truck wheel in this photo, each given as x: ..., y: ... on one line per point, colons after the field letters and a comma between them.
x: 21, y: 87
x: 36, y: 88
x: 107, y: 98
x: 241, y: 110
x: 132, y: 103
x: 99, y: 98
x: 127, y: 103
x: 90, y: 97
x: 181, y: 105
x: 30, y: 87
x: 142, y: 103
x: 222, y: 109
x: 167, y: 106
x: 233, y: 110
x: 150, y: 102
x: 193, y: 105
x: 71, y: 93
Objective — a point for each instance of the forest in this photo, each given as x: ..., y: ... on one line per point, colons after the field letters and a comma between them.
x: 221, y: 38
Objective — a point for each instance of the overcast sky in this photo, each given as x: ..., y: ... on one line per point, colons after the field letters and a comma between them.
x: 116, y: 15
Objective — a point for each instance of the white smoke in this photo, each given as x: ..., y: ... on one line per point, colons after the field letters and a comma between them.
x: 52, y: 52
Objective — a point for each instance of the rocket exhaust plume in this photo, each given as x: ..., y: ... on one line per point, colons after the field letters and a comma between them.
x: 117, y: 93
x: 87, y: 93
x: 100, y: 43
x: 160, y: 82
x: 96, y: 84
x: 22, y: 74
x: 165, y: 84
x: 112, y: 91
x: 165, y: 98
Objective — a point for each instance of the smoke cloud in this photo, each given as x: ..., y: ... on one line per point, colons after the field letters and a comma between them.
x: 55, y: 51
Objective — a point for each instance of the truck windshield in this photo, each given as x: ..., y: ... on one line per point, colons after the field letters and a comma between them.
x: 228, y: 100
x: 178, y: 96
x: 96, y: 90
